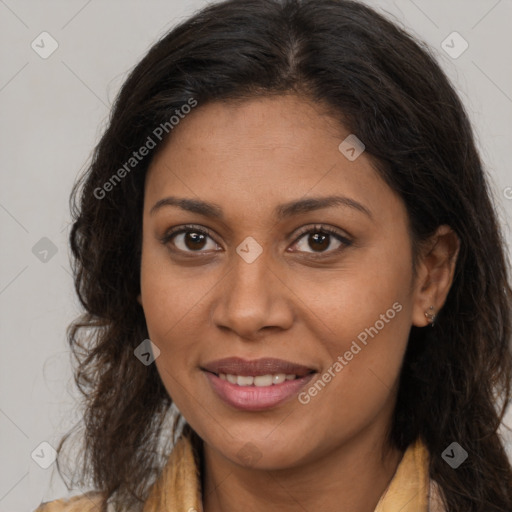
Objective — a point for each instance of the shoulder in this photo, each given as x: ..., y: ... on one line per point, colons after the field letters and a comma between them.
x: 86, y: 502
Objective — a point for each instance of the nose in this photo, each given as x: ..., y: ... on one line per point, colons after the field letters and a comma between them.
x: 252, y: 297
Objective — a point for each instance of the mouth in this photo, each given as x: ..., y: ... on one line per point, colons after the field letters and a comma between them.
x: 258, y: 384
x: 238, y: 367
x: 258, y: 380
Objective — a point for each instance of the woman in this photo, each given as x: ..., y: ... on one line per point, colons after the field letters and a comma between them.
x: 286, y: 233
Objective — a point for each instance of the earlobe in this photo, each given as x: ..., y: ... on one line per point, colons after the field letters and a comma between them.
x: 436, y: 270
x: 431, y: 315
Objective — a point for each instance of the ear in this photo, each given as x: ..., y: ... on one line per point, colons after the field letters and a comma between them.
x: 139, y: 299
x: 436, y: 268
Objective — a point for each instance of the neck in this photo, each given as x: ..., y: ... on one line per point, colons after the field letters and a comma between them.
x: 350, y: 478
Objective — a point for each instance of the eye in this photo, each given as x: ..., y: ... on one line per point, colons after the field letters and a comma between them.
x: 189, y: 238
x: 320, y: 238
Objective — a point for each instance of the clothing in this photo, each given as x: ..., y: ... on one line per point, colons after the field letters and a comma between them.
x: 178, y: 487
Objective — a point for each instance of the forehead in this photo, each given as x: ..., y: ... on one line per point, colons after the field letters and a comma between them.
x: 290, y: 124
x: 261, y: 152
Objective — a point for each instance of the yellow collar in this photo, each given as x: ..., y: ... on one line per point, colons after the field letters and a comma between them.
x: 408, y: 489
x: 179, y: 485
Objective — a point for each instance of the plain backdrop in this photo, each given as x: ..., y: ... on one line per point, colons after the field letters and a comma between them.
x: 53, y: 111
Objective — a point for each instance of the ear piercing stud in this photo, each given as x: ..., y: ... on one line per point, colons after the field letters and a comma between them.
x: 431, y: 315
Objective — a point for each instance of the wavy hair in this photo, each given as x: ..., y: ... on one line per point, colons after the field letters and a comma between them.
x: 382, y: 84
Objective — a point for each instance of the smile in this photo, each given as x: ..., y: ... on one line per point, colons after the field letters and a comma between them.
x: 259, y: 380
x: 258, y: 384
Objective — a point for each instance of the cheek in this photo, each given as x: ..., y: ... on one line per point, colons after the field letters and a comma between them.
x: 169, y: 309
x: 171, y: 294
x: 358, y: 383
x: 366, y: 319
x: 168, y: 303
x: 370, y: 298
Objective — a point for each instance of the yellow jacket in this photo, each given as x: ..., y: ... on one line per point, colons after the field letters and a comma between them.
x: 178, y: 487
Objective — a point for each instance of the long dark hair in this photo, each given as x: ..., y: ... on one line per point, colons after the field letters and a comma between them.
x: 383, y: 85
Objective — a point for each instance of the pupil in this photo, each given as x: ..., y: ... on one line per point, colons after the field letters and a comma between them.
x: 196, y: 240
x: 322, y: 239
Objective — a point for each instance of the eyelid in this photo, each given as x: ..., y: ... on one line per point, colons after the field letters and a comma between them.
x: 344, y: 239
x: 325, y: 228
x: 183, y: 229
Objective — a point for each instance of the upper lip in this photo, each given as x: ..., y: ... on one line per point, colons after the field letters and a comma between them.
x: 255, y: 367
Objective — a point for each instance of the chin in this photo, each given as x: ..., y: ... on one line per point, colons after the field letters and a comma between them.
x: 264, y: 452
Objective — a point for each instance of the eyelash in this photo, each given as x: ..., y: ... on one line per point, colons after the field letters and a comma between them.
x: 317, y: 228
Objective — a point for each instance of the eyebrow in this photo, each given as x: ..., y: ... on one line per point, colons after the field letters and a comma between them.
x: 282, y: 211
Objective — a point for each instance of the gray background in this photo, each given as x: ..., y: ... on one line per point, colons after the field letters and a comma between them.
x: 52, y: 113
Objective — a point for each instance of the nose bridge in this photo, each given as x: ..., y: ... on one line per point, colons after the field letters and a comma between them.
x: 252, y: 297
x: 249, y: 285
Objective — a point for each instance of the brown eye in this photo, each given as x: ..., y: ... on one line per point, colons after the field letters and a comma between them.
x: 190, y: 239
x: 194, y: 241
x: 321, y: 239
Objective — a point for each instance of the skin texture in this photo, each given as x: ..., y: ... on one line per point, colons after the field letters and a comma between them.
x: 248, y: 157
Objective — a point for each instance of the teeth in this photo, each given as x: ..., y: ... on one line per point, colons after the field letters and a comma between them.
x: 263, y: 380
x: 278, y: 378
x: 244, y: 381
x: 258, y: 381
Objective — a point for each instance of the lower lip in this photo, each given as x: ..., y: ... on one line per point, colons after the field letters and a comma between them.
x: 254, y: 398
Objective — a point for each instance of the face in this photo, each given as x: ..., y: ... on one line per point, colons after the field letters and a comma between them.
x: 261, y: 265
